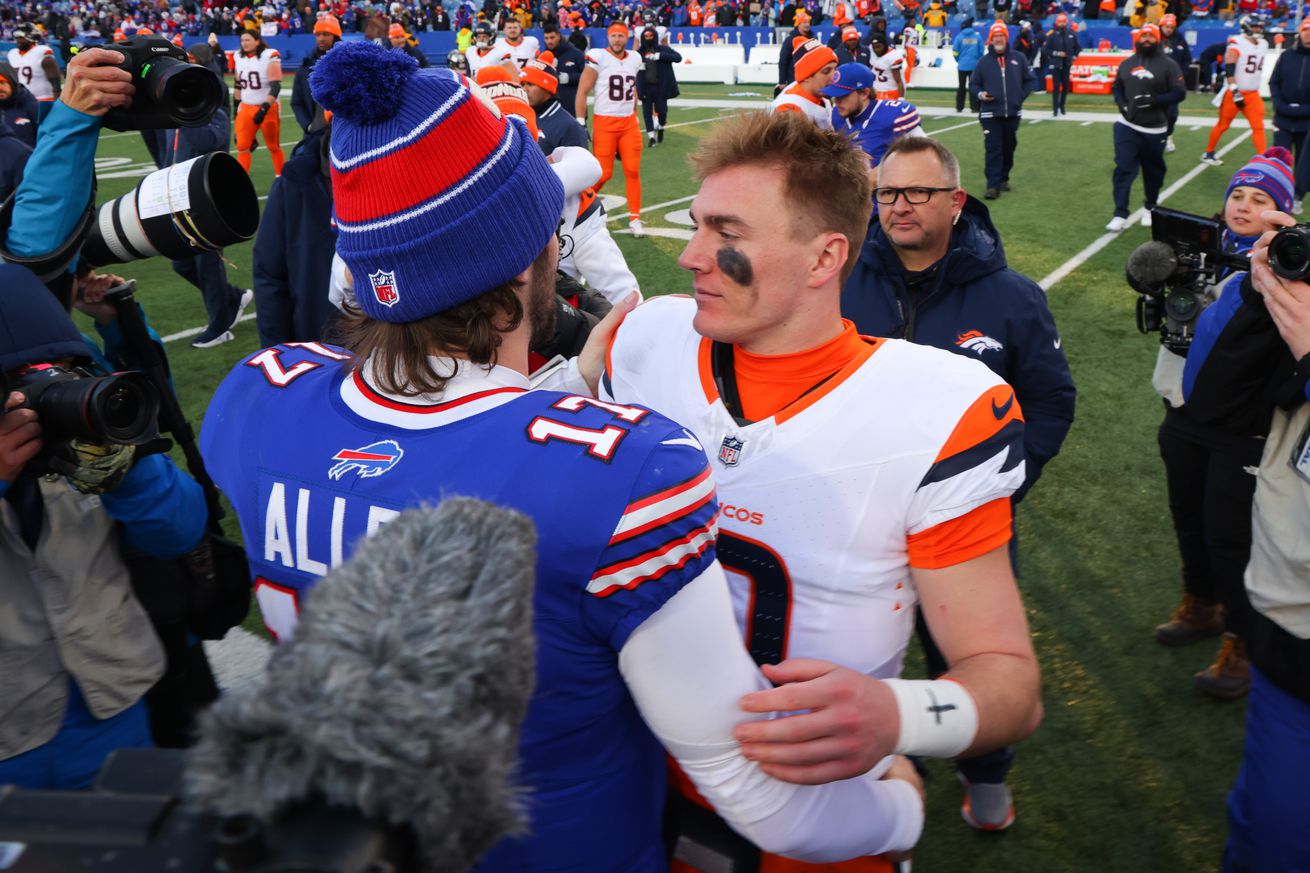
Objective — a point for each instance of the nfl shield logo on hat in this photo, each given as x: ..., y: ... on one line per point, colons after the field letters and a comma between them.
x: 730, y: 451
x: 384, y: 288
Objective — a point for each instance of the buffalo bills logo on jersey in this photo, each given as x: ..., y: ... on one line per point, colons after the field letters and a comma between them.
x: 384, y: 288
x: 730, y: 451
x: 977, y: 341
x: 372, y: 460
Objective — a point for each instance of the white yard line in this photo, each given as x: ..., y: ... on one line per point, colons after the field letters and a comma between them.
x: 196, y: 331
x: 1110, y: 236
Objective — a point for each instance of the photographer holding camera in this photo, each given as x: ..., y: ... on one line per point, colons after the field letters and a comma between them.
x: 76, y: 499
x: 1208, y: 459
x: 1258, y: 370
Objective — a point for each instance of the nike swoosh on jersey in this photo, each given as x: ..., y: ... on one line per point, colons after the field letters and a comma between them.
x: 1000, y: 411
x: 683, y: 441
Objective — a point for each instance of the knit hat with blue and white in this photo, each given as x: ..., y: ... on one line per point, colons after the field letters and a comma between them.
x: 438, y: 199
x: 1271, y: 173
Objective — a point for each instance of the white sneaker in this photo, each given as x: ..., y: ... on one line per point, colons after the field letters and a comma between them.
x: 247, y: 296
x: 1169, y: 145
x: 1117, y: 223
x: 1146, y: 219
x: 209, y: 339
x: 637, y: 228
x: 1296, y: 207
x: 1209, y: 158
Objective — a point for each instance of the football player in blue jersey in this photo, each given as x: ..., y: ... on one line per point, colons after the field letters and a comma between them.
x: 449, y: 236
x: 873, y: 124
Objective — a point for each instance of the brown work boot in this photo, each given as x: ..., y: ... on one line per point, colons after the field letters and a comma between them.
x: 1229, y: 677
x: 1194, y: 619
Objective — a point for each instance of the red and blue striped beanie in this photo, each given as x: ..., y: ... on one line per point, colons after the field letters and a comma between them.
x: 1271, y: 173
x: 438, y: 199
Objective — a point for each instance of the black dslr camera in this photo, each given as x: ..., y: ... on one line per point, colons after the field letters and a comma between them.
x: 170, y: 91
x: 71, y: 404
x: 1289, y: 253
x: 1173, y: 271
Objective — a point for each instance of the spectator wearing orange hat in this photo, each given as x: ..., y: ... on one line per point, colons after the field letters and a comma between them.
x: 399, y: 39
x: 1059, y: 50
x: 814, y: 65
x: 849, y: 46
x: 611, y: 74
x: 327, y: 33
x: 786, y: 60
x: 558, y: 127
x: 1000, y: 83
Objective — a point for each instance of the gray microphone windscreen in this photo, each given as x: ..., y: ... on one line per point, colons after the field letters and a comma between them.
x: 1152, y: 263
x: 401, y: 694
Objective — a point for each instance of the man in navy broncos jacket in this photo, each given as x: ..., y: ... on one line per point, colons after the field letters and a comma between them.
x: 932, y: 271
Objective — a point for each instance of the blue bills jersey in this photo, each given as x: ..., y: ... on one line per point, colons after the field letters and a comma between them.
x: 881, y: 122
x: 314, y: 458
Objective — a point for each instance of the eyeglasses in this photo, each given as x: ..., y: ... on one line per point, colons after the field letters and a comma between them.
x: 913, y: 196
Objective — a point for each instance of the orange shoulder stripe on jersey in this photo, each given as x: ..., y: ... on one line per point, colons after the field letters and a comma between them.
x: 961, y: 539
x: 1231, y: 56
x: 706, y: 370
x: 991, y: 412
x: 788, y: 107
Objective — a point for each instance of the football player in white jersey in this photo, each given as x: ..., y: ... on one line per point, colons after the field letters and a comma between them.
x: 521, y: 48
x: 1243, y: 62
x: 485, y: 51
x: 857, y: 476
x: 259, y: 80
x: 814, y: 64
x: 887, y: 64
x: 36, y: 68
x: 611, y: 73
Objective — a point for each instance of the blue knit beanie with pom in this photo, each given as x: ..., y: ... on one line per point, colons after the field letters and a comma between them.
x: 437, y: 198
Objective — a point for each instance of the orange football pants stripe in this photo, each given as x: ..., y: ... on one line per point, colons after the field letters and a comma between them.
x: 619, y: 136
x: 1254, y: 110
x: 271, y: 128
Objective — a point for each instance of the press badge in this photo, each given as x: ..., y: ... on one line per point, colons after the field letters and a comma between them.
x: 1301, y: 454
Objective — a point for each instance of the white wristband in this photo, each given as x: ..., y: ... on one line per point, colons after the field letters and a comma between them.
x: 939, y: 718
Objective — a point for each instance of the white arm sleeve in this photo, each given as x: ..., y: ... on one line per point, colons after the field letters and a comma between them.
x: 686, y: 667
x: 596, y: 259
x: 576, y: 167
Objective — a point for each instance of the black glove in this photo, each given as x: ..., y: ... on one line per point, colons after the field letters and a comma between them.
x: 1238, y: 100
x: 236, y: 105
x: 262, y: 113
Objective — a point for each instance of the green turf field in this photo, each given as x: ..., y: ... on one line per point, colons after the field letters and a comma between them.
x: 1130, y: 769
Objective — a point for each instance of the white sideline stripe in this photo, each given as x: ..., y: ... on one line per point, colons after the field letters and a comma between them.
x: 1110, y: 236
x: 969, y: 123
x: 655, y: 206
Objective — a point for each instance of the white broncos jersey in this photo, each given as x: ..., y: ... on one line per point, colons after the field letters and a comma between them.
x: 793, y: 99
x: 478, y: 58
x: 1248, y: 59
x: 616, y: 82
x: 826, y: 506
x: 253, y: 76
x: 892, y: 59
x: 526, y: 50
x: 27, y: 65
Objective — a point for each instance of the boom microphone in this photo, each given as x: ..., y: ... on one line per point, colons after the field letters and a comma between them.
x: 401, y: 695
x: 1150, y: 265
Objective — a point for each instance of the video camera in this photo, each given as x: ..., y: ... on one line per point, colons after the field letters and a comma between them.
x: 1173, y: 272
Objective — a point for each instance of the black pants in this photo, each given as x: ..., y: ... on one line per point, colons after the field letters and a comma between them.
x: 222, y: 298
x: 1060, y: 86
x: 1000, y: 136
x: 1134, y: 150
x: 1210, y: 494
x: 1294, y: 142
x: 962, y: 89
x: 660, y: 105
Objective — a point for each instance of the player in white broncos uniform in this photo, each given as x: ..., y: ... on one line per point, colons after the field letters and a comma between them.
x: 485, y: 51
x: 857, y: 476
x: 519, y: 47
x: 1244, y: 60
x: 259, y: 80
x: 611, y: 74
x: 36, y: 69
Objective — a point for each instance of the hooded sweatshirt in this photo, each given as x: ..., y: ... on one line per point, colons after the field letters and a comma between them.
x: 20, y: 111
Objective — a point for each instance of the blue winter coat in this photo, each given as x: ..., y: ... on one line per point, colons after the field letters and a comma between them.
x: 20, y: 112
x: 13, y: 160
x: 968, y: 48
x: 1289, y: 86
x: 1010, y: 81
x: 974, y: 306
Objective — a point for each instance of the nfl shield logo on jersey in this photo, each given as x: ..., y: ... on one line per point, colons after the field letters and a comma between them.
x: 730, y: 451
x: 384, y: 288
